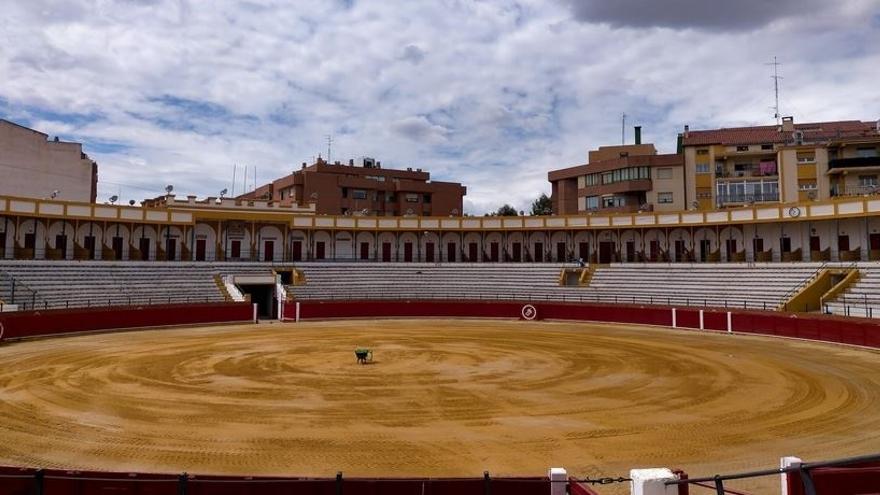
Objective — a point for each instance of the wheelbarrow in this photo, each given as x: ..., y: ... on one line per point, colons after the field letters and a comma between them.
x: 363, y: 355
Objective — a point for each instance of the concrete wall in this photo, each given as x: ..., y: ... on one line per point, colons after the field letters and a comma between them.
x: 32, y: 166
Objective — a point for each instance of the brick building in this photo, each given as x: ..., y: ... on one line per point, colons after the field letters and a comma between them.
x: 624, y: 178
x: 364, y: 188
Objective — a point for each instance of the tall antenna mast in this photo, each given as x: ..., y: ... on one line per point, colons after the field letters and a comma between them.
x: 329, y: 145
x: 776, y: 77
x: 622, y: 128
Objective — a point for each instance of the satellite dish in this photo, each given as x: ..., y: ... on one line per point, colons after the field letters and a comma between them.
x: 55, y: 193
x: 454, y: 211
x: 130, y: 202
x: 223, y: 192
x: 169, y: 188
x: 114, y: 199
x: 409, y: 211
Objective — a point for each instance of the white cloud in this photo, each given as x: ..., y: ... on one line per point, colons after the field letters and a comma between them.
x: 493, y: 94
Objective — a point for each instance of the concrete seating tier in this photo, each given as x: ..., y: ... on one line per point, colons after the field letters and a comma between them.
x: 75, y: 284
x: 863, y: 297
x: 755, y: 286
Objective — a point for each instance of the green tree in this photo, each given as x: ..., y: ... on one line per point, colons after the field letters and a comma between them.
x: 542, y: 206
x: 506, y: 211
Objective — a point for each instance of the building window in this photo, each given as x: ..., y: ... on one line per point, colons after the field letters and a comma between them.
x: 703, y: 151
x: 344, y: 192
x: 767, y: 147
x: 412, y: 198
x: 702, y: 168
x: 426, y: 198
x: 664, y: 173
x: 742, y: 148
x: 807, y: 185
x: 866, y: 152
x: 806, y: 158
x: 358, y: 194
x: 664, y: 197
x: 867, y: 180
x: 592, y: 202
x: 613, y: 201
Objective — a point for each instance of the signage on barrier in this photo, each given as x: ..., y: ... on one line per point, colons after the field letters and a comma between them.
x: 529, y: 312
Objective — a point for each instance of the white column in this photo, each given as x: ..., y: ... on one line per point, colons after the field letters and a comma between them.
x: 701, y: 320
x: 297, y: 312
x: 729, y: 322
x: 783, y: 463
x: 651, y: 482
x: 558, y: 477
x: 255, y: 312
x: 674, y: 325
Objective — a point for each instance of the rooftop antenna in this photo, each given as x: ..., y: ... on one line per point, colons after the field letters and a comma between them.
x: 234, y: 166
x: 622, y: 128
x: 329, y: 145
x: 776, y: 77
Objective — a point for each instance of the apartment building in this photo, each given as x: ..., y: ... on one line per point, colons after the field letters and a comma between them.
x: 34, y: 166
x: 625, y: 178
x: 364, y: 188
x: 788, y: 163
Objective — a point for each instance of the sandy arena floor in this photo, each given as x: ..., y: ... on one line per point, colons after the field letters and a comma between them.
x: 442, y: 398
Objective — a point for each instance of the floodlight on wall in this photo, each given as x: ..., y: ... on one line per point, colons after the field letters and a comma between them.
x: 55, y: 194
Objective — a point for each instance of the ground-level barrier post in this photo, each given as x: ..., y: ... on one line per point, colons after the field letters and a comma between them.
x: 182, y: 481
x: 557, y: 476
x: 652, y: 482
x: 674, y: 323
x: 39, y: 481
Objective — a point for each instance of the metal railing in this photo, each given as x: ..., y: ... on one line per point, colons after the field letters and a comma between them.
x: 804, y: 469
x: 501, y: 296
x: 783, y: 301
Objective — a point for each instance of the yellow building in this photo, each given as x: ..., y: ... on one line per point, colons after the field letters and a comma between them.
x: 789, y: 163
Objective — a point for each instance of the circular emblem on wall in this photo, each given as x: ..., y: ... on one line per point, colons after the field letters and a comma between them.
x: 529, y: 312
x: 794, y: 211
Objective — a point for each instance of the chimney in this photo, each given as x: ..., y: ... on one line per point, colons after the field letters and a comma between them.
x: 638, y: 129
x: 351, y: 162
x: 687, y: 130
x: 787, y: 124
x: 378, y: 164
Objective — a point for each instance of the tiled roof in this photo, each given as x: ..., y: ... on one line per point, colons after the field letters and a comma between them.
x: 817, y: 131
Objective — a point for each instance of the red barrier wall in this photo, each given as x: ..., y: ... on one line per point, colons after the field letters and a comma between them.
x: 853, y: 480
x: 56, y: 482
x: 826, y: 328
x: 21, y: 324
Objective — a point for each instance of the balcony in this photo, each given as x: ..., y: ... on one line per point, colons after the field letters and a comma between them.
x: 729, y: 199
x: 838, y: 190
x: 855, y: 162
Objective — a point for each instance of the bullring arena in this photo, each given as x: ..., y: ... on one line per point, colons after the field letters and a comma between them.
x: 441, y: 398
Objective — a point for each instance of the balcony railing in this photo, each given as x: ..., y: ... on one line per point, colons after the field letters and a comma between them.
x: 725, y: 199
x: 855, y: 162
x: 854, y: 190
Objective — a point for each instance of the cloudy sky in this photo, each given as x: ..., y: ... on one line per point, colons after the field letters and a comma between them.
x: 491, y: 93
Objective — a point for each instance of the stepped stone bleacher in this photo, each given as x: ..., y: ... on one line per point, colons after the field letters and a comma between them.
x: 863, y: 297
x: 72, y: 284
x: 741, y: 285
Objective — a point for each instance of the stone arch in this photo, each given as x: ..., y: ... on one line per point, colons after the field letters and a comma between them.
x: 205, y: 232
x: 83, y: 232
x: 144, y: 237
x: 272, y: 234
x: 60, y: 228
